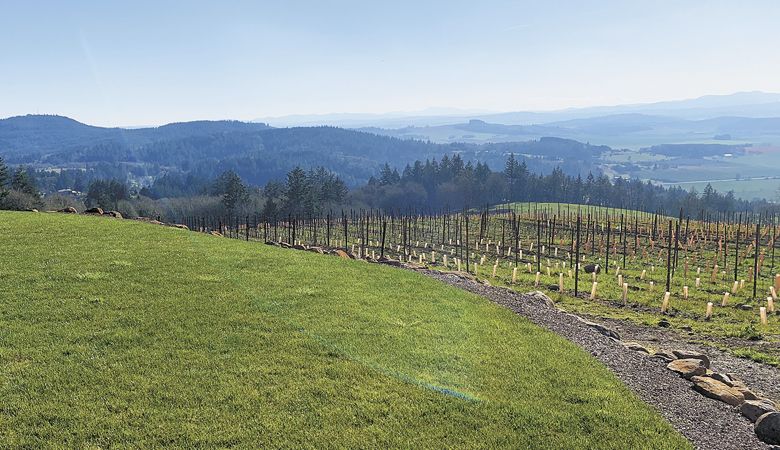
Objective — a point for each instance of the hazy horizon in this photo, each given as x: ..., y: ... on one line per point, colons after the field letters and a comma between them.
x: 431, y: 111
x: 151, y: 63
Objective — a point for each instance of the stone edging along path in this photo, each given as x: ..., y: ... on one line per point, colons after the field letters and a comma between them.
x: 713, y: 410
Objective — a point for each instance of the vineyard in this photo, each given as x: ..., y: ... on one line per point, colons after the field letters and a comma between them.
x: 713, y: 274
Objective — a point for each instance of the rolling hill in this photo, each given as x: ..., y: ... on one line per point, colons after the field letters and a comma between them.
x: 192, y: 340
x: 257, y: 152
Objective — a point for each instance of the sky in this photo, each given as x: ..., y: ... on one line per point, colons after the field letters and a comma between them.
x: 153, y: 62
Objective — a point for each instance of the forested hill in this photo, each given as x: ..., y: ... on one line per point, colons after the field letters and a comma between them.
x: 257, y: 152
x: 33, y: 137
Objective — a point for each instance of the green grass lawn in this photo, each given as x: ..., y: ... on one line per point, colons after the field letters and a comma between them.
x: 122, y: 334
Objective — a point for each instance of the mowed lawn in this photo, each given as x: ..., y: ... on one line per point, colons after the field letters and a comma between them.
x: 122, y: 334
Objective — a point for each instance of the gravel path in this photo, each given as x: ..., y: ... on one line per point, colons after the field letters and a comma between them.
x: 708, y: 424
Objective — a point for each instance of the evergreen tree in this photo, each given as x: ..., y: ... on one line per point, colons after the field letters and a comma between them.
x: 297, y: 189
x: 270, y: 210
x: 106, y: 193
x: 4, y: 178
x: 22, y: 182
x: 234, y: 192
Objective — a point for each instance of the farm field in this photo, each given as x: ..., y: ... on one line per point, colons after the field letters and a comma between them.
x: 746, y: 188
x: 116, y: 333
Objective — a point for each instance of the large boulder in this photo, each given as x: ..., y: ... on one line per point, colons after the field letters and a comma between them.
x: 96, y: 211
x: 115, y: 214
x: 753, y: 409
x: 768, y: 428
x: 688, y: 354
x: 68, y: 210
x: 712, y: 388
x: 687, y: 368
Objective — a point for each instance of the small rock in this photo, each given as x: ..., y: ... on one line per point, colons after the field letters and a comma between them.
x: 723, y: 378
x: 216, y: 233
x: 745, y: 307
x: 689, y: 354
x: 753, y: 409
x: 747, y: 393
x: 317, y: 250
x: 608, y: 332
x: 663, y: 323
x: 712, y: 388
x: 180, y: 226
x: 115, y: 214
x: 768, y: 428
x: 687, y: 368
x: 637, y: 347
x: 68, y: 210
x: 343, y: 254
x: 541, y: 297
x: 299, y: 247
x: 665, y: 355
x: 591, y: 268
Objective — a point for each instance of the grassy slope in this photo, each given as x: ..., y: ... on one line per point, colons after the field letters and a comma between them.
x: 122, y: 333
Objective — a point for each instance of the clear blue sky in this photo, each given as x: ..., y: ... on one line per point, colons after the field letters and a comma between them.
x: 152, y: 62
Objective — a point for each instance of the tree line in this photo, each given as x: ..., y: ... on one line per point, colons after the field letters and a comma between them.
x: 18, y: 190
x: 453, y: 183
x: 431, y: 185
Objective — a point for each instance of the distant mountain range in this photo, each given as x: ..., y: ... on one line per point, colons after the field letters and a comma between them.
x: 742, y: 104
x: 746, y: 117
x: 630, y: 130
